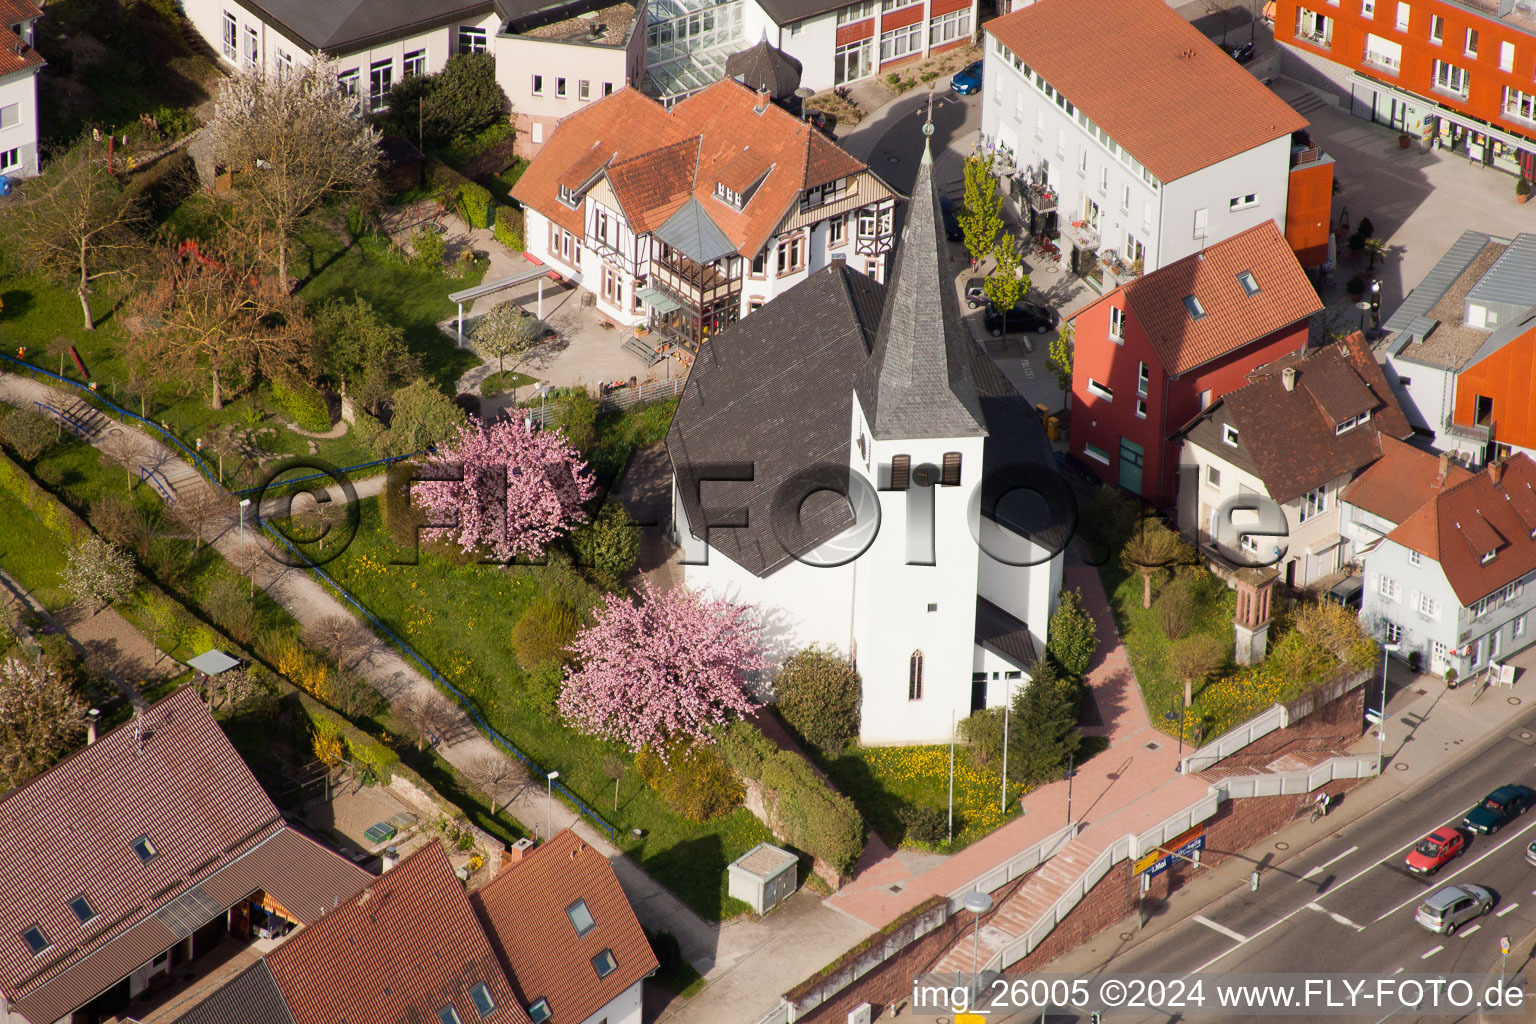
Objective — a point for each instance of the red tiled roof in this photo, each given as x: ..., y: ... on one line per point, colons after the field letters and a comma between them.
x: 738, y: 141
x: 15, y: 54
x: 68, y: 832
x: 399, y: 951
x: 524, y: 911
x: 1149, y: 78
x: 1233, y: 318
x: 1457, y: 527
x: 15, y: 11
x: 1401, y: 481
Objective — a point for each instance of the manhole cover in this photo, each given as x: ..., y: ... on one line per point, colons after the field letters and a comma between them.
x: 1421, y: 692
x: 1525, y: 736
x: 1153, y: 746
x: 1399, y: 767
x: 1282, y: 845
x: 1514, y: 700
x: 1127, y: 936
x: 895, y: 888
x: 893, y: 159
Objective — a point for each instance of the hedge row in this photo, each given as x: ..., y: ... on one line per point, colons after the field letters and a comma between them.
x: 802, y: 808
x: 53, y: 513
x: 454, y: 191
x: 509, y: 227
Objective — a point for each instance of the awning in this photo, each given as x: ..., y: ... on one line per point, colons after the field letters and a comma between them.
x: 1325, y: 544
x: 657, y: 299
x: 211, y: 663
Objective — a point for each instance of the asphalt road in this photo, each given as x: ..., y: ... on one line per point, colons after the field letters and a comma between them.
x: 1347, y: 904
x: 894, y: 157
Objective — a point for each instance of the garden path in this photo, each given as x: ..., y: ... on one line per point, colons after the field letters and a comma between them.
x: 109, y: 643
x: 303, y: 597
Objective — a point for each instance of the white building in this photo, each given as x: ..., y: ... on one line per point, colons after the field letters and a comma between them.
x: 844, y: 461
x: 1153, y: 142
x: 19, y: 64
x: 683, y: 221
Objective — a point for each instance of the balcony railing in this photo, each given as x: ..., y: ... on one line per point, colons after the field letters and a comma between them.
x: 1042, y: 198
x: 1479, y: 432
x: 1323, y: 39
x: 1381, y: 60
x: 1081, y: 235
x: 1122, y: 268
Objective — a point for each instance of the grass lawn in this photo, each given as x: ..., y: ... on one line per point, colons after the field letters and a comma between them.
x: 882, y: 780
x: 32, y: 553
x: 506, y: 380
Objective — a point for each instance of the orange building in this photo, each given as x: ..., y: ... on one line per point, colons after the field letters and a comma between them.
x: 1459, y: 75
x: 1499, y: 386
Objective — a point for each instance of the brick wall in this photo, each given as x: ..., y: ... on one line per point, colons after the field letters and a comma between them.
x: 1336, y: 724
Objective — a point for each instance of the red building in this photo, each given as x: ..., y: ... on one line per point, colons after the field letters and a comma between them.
x: 1150, y: 355
x: 1460, y: 73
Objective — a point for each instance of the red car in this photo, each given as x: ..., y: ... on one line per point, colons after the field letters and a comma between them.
x: 1435, y: 850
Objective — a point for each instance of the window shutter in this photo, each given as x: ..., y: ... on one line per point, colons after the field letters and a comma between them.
x: 951, y: 474
x: 901, y: 472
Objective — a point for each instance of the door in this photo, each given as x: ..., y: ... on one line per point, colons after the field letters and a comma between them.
x: 1131, y: 457
x: 1438, y: 662
x: 978, y: 690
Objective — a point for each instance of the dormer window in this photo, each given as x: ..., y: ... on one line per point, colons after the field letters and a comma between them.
x: 1249, y: 282
x: 569, y: 197
x: 539, y: 1011
x: 1351, y: 423
x: 818, y: 195
x: 1196, y: 311
x: 1229, y: 435
x: 725, y: 195
x: 1490, y: 556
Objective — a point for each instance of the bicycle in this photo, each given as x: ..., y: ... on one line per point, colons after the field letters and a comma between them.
x: 1320, y: 807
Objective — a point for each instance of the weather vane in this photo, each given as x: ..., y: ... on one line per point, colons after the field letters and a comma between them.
x: 928, y: 124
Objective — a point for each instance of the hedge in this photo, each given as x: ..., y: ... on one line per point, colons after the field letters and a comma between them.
x: 455, y: 192
x: 509, y: 228
x: 806, y: 812
x: 53, y: 513
x: 304, y: 403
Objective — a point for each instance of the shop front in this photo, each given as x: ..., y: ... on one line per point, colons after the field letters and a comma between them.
x: 1437, y: 127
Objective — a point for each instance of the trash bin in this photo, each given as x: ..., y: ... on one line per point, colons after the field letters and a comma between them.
x: 1042, y: 410
x: 1053, y: 427
x: 5, y: 185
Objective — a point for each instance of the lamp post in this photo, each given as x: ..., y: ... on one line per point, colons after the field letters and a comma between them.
x: 1375, y: 306
x: 977, y: 903
x: 244, y: 504
x: 1070, y: 773
x: 1387, y: 650
x: 543, y: 390
x: 1169, y: 716
x: 549, y: 805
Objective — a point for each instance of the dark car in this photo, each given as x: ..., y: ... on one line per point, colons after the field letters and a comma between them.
x: 821, y: 121
x: 967, y: 80
x: 951, y: 222
x: 1499, y: 807
x: 1347, y: 592
x: 1025, y: 317
x: 1243, y: 54
x: 1436, y: 850
x: 1075, y: 467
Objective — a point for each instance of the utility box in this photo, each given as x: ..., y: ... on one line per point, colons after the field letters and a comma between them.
x: 764, y: 876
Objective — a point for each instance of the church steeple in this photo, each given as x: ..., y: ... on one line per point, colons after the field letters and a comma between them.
x: 917, y: 381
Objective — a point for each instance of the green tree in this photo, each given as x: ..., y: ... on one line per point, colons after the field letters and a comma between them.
x: 1043, y: 731
x: 1073, y: 636
x: 981, y: 219
x: 1194, y: 658
x: 1150, y: 549
x: 460, y: 100
x: 1007, y: 283
x: 422, y: 415
x: 609, y: 545
x: 578, y: 421
x: 1059, y: 361
x: 508, y: 331
x: 819, y: 694
x: 366, y: 354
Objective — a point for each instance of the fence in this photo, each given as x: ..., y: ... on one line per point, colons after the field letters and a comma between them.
x: 464, y: 701
x: 1279, y: 716
x: 640, y: 394
x: 343, y: 470
x: 1016, y: 866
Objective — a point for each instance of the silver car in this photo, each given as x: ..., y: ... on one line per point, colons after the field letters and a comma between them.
x: 1452, y: 907
x: 1530, y: 853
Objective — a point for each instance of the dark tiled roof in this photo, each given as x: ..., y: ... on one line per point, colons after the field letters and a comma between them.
x: 399, y: 951
x: 524, y: 912
x: 764, y: 66
x: 70, y: 831
x: 1401, y: 481
x: 251, y: 998
x: 1004, y: 633
x: 783, y: 12
x: 341, y: 26
x: 917, y: 382
x: 1288, y: 436
x: 1207, y: 107
x: 15, y: 53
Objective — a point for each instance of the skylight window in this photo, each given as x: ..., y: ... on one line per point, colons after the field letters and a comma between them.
x: 604, y: 963
x: 1196, y: 311
x: 539, y: 1011
x: 581, y: 917
x: 481, y: 997
x: 1249, y: 282
x: 145, y: 849
x: 35, y: 939
x: 82, y: 908
x: 448, y: 1015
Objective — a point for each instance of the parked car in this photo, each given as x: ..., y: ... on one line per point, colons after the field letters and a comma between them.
x: 1347, y: 592
x: 1243, y: 54
x: 951, y: 222
x: 1024, y: 317
x: 967, y: 80
x: 1499, y: 807
x: 821, y: 121
x: 1075, y: 467
x: 1436, y: 850
x: 1530, y: 852
x: 1452, y: 907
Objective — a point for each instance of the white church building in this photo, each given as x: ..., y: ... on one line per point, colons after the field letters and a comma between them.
x: 849, y: 461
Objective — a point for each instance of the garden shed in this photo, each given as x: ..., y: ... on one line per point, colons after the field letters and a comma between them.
x: 764, y: 876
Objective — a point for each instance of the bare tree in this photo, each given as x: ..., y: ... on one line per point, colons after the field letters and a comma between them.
x: 199, y: 507
x: 1194, y: 659
x: 429, y: 715
x: 232, y: 690
x: 248, y: 560
x: 299, y: 137
x: 614, y: 769
x: 28, y: 434
x: 498, y: 777
x: 1152, y: 547
x: 122, y: 447
x: 76, y: 222
x: 337, y: 635
x: 41, y: 719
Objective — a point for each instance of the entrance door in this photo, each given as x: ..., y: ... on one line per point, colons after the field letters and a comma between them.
x: 1438, y: 658
x: 978, y: 691
x: 1131, y: 458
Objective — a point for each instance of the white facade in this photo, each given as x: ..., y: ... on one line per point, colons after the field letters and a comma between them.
x: 1121, y: 202
x: 18, y: 112
x: 623, y: 1008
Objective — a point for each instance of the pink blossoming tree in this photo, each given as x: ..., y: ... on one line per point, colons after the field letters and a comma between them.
x: 519, y: 488
x: 671, y: 666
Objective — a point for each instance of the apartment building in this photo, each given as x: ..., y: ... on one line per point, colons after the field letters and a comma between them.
x: 19, y: 65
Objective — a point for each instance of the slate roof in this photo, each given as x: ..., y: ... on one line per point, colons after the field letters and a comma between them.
x: 1458, y: 526
x: 1159, y: 87
x: 175, y: 780
x: 765, y: 66
x: 723, y: 126
x: 342, y: 26
x: 1287, y: 438
x: 1401, y: 481
x: 691, y: 232
x: 1233, y: 318
x: 917, y: 382
x: 1005, y: 633
x: 524, y: 911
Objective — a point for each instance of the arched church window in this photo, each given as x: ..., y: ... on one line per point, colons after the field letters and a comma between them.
x: 915, y: 676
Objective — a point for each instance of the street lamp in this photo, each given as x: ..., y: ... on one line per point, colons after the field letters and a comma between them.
x: 549, y: 806
x: 1169, y: 716
x: 543, y: 390
x: 1387, y: 650
x: 977, y: 903
x: 244, y: 504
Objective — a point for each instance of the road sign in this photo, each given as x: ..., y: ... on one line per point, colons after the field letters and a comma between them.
x: 1186, y: 843
x: 1182, y: 853
x: 1504, y: 945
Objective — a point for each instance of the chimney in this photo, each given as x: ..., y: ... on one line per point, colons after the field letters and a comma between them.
x: 1288, y: 377
x: 762, y: 100
x: 516, y: 852
x: 1445, y: 469
x: 1495, y: 471
x: 91, y: 718
x: 391, y: 857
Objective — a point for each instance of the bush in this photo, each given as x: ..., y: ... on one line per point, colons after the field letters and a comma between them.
x: 473, y: 203
x: 427, y: 249
x: 544, y: 631
x: 1522, y: 186
x: 693, y: 779
x: 377, y: 761
x: 114, y: 517
x: 983, y: 730
x: 1176, y: 608
x: 609, y: 545
x: 924, y: 824
x: 304, y: 403
x: 28, y: 434
x: 230, y: 607
x: 1073, y: 636
x: 579, y: 418
x: 458, y: 101
x: 509, y: 228
x: 540, y: 689
x: 1365, y: 229
x: 355, y: 697
x: 402, y: 520
x: 818, y: 695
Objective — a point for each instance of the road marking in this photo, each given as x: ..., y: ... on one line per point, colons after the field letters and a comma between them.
x: 1236, y: 937
x: 1468, y: 865
x: 1507, y: 910
x: 1312, y: 871
x: 1469, y: 931
x: 1431, y: 953
x: 1340, y: 918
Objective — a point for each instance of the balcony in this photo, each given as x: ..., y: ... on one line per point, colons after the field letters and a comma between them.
x: 1481, y: 433
x: 1041, y: 198
x: 1081, y: 234
x: 1322, y: 39
x: 1118, y: 267
x: 1384, y: 61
